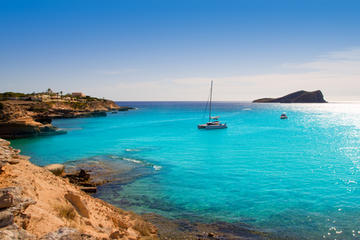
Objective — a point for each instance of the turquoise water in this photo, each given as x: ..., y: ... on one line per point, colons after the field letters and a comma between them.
x: 297, y: 177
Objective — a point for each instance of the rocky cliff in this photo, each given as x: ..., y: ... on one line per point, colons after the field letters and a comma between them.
x: 296, y: 97
x: 32, y: 118
x: 36, y: 204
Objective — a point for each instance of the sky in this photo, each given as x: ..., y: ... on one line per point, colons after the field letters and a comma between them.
x: 159, y: 50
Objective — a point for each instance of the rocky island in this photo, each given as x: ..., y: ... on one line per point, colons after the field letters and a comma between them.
x: 296, y: 97
x: 27, y: 115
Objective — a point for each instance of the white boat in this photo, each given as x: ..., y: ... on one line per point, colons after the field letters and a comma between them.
x: 213, y: 122
x: 283, y: 116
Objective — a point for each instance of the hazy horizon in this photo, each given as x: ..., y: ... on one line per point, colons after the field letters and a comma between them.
x: 170, y: 50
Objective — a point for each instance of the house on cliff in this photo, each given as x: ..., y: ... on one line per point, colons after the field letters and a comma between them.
x: 78, y: 94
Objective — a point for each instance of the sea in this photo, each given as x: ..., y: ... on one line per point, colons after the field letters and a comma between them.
x: 296, y: 178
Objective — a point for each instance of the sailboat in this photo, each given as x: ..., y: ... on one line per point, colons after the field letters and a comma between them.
x: 213, y: 122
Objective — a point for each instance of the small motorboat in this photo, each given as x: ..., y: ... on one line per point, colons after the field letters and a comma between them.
x: 283, y: 116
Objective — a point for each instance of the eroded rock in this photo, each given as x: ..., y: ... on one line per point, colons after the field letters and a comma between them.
x: 78, y: 204
x: 6, y: 199
x: 14, y: 160
x: 9, y: 197
x: 12, y: 205
x: 116, y: 235
x: 13, y: 232
x: 66, y: 233
x: 57, y: 169
x: 6, y: 218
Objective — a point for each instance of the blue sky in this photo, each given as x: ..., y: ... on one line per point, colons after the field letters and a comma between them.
x: 170, y: 50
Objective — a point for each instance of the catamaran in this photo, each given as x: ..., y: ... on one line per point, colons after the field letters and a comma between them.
x: 213, y: 122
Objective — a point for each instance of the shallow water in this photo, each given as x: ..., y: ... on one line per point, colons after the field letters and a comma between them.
x: 297, y: 177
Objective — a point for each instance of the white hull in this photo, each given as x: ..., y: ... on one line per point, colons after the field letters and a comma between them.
x: 212, y: 126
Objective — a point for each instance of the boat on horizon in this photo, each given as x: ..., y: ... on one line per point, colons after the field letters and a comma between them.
x: 213, y: 122
x: 283, y: 116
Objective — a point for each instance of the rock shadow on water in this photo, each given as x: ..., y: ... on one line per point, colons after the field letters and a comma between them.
x: 179, y: 223
x: 111, y: 168
x: 111, y: 173
x: 177, y: 229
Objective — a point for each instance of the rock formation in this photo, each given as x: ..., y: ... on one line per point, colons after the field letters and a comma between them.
x: 296, y: 97
x: 57, y: 169
x: 36, y: 204
x: 32, y: 118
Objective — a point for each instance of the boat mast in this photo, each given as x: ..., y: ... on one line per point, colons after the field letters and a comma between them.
x: 210, y: 100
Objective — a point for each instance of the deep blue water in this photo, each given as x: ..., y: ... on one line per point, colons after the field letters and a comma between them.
x: 297, y: 177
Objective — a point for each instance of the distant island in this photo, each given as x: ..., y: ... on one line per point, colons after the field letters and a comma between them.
x: 296, y: 97
x: 27, y: 115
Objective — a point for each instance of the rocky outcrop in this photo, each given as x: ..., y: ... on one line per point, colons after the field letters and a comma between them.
x: 296, y: 97
x: 78, y: 204
x: 66, y: 233
x: 36, y: 204
x: 14, y: 232
x: 82, y: 179
x: 19, y: 119
x: 57, y: 169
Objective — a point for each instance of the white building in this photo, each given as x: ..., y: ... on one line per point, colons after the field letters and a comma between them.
x: 78, y: 94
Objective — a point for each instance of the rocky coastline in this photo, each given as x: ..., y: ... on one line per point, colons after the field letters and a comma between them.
x: 43, y: 203
x: 36, y: 204
x: 28, y: 118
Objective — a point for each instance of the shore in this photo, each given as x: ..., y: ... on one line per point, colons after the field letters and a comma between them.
x: 36, y: 204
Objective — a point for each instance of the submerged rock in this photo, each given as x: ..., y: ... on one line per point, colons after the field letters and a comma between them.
x: 82, y: 179
x: 99, y: 170
x: 177, y: 229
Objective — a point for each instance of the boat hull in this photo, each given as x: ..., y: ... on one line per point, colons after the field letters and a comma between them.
x: 212, y: 127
